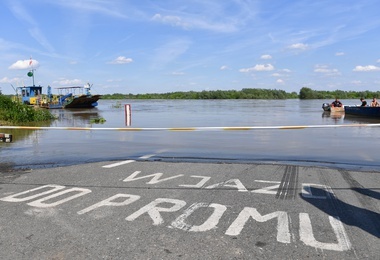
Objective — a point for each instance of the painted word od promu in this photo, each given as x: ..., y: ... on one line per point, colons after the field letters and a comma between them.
x: 39, y: 197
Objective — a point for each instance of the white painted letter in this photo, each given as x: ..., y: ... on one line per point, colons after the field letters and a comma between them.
x: 283, y: 233
x: 154, y: 180
x: 307, y: 191
x: 109, y: 202
x: 210, y: 223
x: 306, y: 234
x: 154, y: 211
x: 199, y: 184
x: 237, y: 184
x: 39, y: 203
x: 268, y: 190
x: 13, y: 198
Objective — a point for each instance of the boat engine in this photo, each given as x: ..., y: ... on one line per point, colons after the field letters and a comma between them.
x: 326, y: 106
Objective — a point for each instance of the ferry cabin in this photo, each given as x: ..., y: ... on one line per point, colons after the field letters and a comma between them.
x: 31, y: 95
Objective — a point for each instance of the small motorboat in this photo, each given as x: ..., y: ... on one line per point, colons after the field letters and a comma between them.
x: 328, y: 107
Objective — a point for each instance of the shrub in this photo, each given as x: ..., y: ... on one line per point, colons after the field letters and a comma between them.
x: 15, y: 112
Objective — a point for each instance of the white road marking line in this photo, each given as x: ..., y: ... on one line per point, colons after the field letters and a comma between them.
x: 118, y: 164
x: 127, y: 161
x: 146, y: 156
x: 267, y: 181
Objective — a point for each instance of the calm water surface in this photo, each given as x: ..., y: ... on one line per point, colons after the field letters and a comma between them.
x: 348, y: 147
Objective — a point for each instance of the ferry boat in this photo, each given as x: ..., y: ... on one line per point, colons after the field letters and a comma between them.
x: 68, y: 97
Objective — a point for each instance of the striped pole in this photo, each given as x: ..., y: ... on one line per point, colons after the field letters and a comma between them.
x: 183, y: 129
x: 128, y: 114
x: 5, y: 138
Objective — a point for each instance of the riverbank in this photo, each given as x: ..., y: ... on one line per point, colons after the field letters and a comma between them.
x: 12, y: 112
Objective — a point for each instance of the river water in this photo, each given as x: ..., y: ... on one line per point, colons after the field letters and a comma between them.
x: 343, y: 147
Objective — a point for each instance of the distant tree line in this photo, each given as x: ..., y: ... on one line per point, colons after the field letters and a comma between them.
x: 246, y: 93
x: 250, y: 93
x: 307, y: 93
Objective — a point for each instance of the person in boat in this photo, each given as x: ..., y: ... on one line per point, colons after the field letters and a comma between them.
x: 364, y: 103
x: 374, y: 103
x: 336, y: 103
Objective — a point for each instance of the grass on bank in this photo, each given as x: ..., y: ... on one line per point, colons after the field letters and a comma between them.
x: 15, y: 112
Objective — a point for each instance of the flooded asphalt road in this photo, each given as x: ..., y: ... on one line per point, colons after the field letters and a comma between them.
x: 348, y: 148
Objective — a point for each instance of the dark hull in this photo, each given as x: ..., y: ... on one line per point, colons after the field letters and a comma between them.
x: 362, y: 111
x: 84, y: 102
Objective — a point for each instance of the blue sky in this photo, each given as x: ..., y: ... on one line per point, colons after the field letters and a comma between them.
x: 144, y: 46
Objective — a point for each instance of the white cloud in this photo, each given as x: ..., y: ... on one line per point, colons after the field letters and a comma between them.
x: 326, y: 70
x: 5, y: 80
x: 280, y: 81
x: 169, y: 52
x: 340, y: 54
x: 224, y: 67
x: 170, y: 19
x: 194, y: 22
x: 321, y: 68
x: 8, y: 80
x: 178, y: 73
x: 378, y: 60
x: 68, y: 82
x: 266, y: 57
x: 366, y: 68
x: 114, y: 80
x: 259, y: 67
x: 24, y: 64
x: 298, y: 46
x: 110, y: 8
x: 284, y: 74
x: 121, y: 60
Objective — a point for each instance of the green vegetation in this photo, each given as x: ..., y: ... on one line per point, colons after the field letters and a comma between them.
x: 307, y: 93
x: 247, y: 93
x: 15, y: 112
x: 99, y: 120
x: 250, y: 93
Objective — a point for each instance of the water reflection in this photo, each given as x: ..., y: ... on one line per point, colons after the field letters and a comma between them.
x: 64, y: 117
x: 335, y: 116
x: 20, y: 134
x: 341, y: 117
x: 361, y: 120
x: 75, y: 117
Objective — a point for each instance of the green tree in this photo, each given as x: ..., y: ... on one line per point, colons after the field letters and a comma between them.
x: 307, y: 93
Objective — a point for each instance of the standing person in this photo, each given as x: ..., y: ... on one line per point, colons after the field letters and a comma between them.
x: 336, y: 103
x: 374, y: 103
x: 364, y: 103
